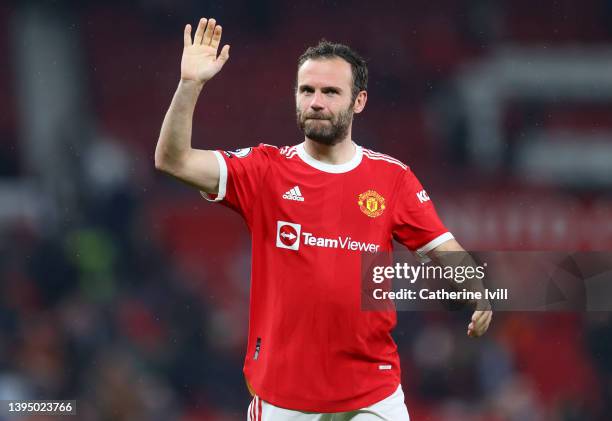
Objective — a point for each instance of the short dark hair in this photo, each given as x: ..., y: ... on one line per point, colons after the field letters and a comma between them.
x: 327, y: 50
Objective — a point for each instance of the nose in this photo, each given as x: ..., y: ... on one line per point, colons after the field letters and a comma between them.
x: 317, y: 104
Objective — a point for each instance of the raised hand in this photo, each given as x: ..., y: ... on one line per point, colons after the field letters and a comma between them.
x: 200, y: 62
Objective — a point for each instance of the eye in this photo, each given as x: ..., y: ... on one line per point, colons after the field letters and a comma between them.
x: 330, y: 91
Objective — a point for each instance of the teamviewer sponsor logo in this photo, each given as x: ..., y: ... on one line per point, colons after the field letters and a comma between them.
x: 288, y: 235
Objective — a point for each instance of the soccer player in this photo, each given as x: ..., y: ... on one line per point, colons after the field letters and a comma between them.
x: 313, y: 209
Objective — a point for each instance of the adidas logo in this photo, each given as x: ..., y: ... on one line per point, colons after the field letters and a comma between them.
x: 294, y: 194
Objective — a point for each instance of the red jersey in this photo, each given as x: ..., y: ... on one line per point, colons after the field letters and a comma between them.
x: 310, y: 346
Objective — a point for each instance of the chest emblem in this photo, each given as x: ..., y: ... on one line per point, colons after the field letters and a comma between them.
x: 371, y: 203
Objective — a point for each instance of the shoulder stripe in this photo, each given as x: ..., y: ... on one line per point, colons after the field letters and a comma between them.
x: 382, y: 157
x: 289, y: 151
x: 371, y: 152
x: 378, y: 158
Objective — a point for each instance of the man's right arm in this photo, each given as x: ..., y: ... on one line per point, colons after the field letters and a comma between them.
x: 174, y: 154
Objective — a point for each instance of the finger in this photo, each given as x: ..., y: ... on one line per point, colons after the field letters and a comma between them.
x: 480, y: 314
x: 480, y: 326
x: 224, y: 56
x: 477, y: 315
x: 209, y: 32
x: 473, y: 332
x: 200, y: 32
x: 482, y: 323
x: 479, y: 323
x: 216, y: 39
x: 187, y: 36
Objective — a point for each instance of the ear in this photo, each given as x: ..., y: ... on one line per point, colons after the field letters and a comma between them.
x: 360, y: 102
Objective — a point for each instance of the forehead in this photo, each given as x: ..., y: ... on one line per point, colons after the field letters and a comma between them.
x: 325, y: 72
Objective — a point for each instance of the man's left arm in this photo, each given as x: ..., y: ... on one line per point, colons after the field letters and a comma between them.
x: 450, y: 253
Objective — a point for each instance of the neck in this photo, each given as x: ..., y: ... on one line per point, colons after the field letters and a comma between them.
x: 340, y: 153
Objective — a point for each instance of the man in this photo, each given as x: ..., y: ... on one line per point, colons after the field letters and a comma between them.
x: 312, y: 210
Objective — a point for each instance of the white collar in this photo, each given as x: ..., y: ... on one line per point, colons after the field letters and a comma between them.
x: 331, y: 168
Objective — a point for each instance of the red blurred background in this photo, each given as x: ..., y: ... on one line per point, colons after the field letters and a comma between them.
x: 123, y: 289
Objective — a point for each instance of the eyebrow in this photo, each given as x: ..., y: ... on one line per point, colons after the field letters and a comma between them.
x: 325, y: 89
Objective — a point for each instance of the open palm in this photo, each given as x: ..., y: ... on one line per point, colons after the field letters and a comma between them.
x: 200, y: 62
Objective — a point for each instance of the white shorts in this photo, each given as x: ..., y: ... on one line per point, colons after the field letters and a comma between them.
x: 391, y: 408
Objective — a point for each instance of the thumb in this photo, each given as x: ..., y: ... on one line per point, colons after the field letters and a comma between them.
x: 224, y: 56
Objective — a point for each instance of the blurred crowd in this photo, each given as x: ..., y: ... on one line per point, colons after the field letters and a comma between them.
x: 123, y: 290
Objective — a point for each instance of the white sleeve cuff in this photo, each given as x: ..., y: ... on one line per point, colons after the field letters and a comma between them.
x: 222, y: 180
x: 422, y: 252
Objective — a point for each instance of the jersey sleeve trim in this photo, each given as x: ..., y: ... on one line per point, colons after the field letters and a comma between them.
x: 422, y: 251
x: 222, y: 180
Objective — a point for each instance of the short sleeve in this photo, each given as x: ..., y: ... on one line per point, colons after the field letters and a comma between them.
x: 415, y: 221
x: 240, y: 176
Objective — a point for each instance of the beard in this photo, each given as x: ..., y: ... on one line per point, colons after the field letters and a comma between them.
x: 327, y: 129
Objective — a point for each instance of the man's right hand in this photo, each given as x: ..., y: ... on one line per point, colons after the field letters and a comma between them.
x: 200, y: 62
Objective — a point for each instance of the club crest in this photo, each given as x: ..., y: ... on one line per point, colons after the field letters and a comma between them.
x: 371, y: 203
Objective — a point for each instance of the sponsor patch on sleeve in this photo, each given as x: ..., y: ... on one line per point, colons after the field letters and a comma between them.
x: 239, y: 153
